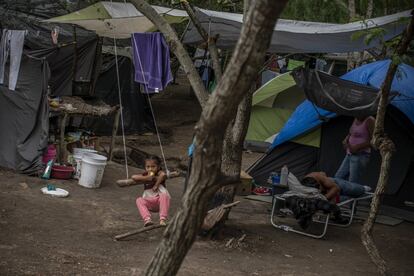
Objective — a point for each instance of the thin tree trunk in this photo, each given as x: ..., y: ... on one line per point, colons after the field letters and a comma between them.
x: 176, y: 47
x: 233, y: 148
x: 386, y: 148
x: 206, y: 176
x: 370, y: 9
x: 233, y: 144
x: 206, y: 37
x: 351, y: 10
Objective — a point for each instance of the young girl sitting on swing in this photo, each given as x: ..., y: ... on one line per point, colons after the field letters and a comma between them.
x: 155, y: 197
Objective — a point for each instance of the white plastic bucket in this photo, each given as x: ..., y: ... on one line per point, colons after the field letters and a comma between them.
x: 91, y: 174
x: 93, y: 157
x: 92, y: 170
x: 78, y: 166
x: 80, y: 151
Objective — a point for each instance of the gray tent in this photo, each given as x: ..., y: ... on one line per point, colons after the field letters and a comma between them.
x: 317, y: 37
x: 24, y: 117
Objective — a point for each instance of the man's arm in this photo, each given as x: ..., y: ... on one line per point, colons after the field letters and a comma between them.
x: 332, y: 190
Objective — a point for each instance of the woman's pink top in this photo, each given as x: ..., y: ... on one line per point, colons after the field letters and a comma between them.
x: 359, y: 134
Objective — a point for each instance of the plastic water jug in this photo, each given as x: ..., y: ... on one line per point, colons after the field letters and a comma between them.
x: 284, y: 176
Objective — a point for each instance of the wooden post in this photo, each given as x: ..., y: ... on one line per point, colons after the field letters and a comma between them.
x: 114, y: 132
x: 97, y: 64
x: 62, y: 138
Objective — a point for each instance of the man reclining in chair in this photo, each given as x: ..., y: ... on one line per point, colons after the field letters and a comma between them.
x: 333, y: 188
x: 316, y: 192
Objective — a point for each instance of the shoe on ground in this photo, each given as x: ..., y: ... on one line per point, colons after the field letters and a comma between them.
x: 148, y: 223
x: 163, y: 222
x: 367, y: 189
x: 262, y: 191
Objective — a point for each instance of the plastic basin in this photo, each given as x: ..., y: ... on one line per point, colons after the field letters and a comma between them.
x: 62, y: 172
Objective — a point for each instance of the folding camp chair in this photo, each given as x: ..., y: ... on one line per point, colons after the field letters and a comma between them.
x: 348, y: 209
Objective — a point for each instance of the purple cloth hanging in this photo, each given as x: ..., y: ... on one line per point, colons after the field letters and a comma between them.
x: 151, y: 51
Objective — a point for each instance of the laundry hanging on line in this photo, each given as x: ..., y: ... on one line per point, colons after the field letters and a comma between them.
x: 11, y: 44
x: 151, y: 56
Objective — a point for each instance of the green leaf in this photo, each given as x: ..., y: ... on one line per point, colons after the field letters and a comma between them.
x: 358, y: 35
x: 368, y: 38
x: 396, y: 59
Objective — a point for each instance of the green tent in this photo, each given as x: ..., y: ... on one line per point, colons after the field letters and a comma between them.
x: 117, y: 19
x: 272, y: 105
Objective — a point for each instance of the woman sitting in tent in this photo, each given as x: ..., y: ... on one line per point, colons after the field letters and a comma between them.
x: 358, y: 149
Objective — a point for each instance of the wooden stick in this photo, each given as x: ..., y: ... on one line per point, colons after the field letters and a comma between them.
x: 226, y: 206
x: 141, y: 230
x: 114, y: 133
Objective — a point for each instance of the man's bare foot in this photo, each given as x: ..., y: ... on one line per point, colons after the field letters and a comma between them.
x: 125, y: 182
x: 163, y: 222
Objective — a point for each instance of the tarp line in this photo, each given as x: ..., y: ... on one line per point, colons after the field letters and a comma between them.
x: 120, y: 106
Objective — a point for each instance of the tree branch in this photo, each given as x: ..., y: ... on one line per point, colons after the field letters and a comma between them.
x: 209, y: 40
x: 176, y: 47
x: 407, y: 36
x: 386, y: 148
x: 134, y: 232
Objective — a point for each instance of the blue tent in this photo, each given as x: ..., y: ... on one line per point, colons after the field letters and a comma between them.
x: 399, y: 125
x: 305, y: 118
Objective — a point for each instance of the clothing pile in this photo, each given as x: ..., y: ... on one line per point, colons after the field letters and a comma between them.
x: 304, y: 209
x: 304, y: 202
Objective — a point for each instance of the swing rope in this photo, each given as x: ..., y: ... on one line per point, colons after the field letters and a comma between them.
x: 149, y: 102
x: 152, y: 109
x: 120, y: 106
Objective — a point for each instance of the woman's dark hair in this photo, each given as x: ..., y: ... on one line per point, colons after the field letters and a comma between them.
x: 154, y: 158
x: 310, y: 182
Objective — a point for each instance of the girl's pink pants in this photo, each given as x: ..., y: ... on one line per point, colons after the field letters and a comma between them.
x: 159, y: 203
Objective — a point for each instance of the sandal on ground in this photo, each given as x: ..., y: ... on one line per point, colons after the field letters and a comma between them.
x: 148, y: 223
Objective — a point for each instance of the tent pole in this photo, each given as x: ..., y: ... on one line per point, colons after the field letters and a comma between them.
x: 62, y: 138
x: 75, y: 54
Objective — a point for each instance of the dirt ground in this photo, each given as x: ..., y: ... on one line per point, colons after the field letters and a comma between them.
x: 42, y: 235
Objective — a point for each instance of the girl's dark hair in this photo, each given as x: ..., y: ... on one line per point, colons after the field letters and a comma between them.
x: 310, y: 182
x: 154, y: 158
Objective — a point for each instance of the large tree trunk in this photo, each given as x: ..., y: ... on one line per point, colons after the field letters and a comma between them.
x: 176, y: 47
x: 206, y: 176
x: 206, y: 37
x: 386, y: 148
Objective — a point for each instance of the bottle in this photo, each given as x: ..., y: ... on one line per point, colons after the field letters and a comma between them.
x: 284, y: 176
x: 275, y: 178
x: 46, y: 173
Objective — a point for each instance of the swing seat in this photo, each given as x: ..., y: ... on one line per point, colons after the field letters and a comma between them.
x: 347, y: 207
x: 337, y: 95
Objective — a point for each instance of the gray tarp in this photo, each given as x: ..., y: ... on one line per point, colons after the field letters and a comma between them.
x: 291, y: 36
x: 24, y: 120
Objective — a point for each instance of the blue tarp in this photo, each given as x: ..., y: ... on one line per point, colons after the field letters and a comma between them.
x: 305, y: 118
